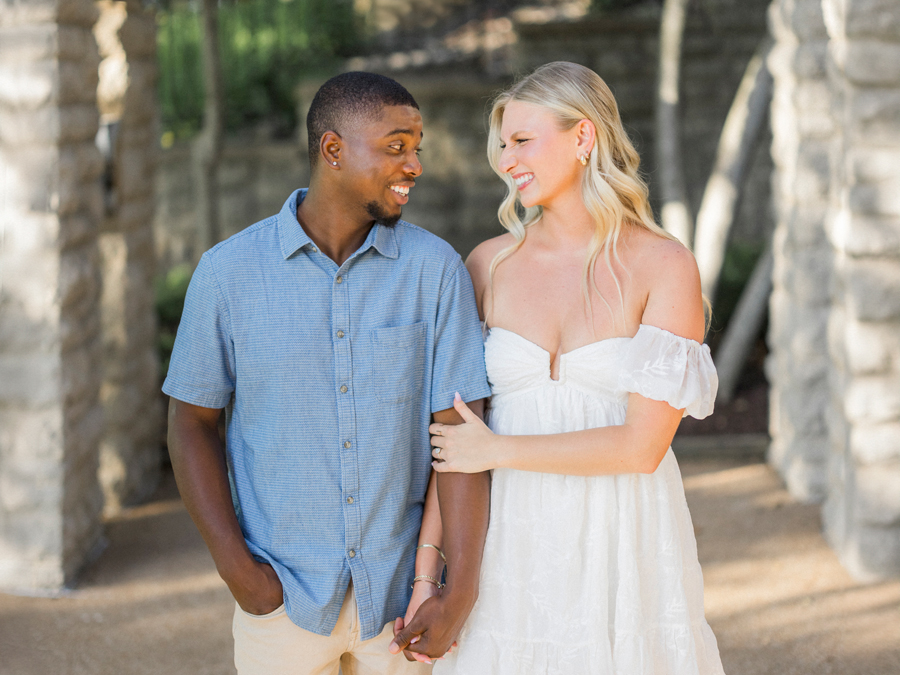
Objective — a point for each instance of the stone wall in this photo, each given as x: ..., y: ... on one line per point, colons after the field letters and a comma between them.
x: 862, y: 512
x: 130, y: 451
x: 802, y: 128
x: 458, y: 195
x: 835, y: 336
x: 50, y: 207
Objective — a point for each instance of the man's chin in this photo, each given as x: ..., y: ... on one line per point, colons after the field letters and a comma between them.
x: 381, y: 218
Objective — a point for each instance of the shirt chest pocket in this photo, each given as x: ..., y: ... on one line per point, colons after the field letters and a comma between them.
x: 399, y: 362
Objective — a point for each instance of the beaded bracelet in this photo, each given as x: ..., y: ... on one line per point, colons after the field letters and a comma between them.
x: 425, y: 577
x: 443, y: 557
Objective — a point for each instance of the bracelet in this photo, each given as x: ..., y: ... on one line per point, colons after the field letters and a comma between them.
x: 425, y: 577
x: 443, y: 557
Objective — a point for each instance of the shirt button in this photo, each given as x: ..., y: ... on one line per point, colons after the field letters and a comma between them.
x: 340, y: 333
x: 343, y: 388
x: 339, y: 280
x: 352, y: 553
x: 346, y: 444
x: 349, y: 500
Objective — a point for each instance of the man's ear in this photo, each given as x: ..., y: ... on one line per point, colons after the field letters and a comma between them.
x: 330, y: 148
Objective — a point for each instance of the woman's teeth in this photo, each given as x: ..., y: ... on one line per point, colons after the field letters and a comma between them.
x: 524, y: 178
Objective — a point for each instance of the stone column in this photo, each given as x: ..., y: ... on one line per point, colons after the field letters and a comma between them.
x: 130, y: 452
x: 802, y: 129
x: 862, y: 513
x: 50, y: 204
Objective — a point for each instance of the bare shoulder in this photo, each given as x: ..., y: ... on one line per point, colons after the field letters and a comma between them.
x: 479, y: 265
x: 670, y: 279
x: 479, y: 261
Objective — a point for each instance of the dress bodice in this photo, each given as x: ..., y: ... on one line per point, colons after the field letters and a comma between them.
x: 654, y: 363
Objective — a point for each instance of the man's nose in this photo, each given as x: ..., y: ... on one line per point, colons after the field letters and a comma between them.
x: 413, y: 166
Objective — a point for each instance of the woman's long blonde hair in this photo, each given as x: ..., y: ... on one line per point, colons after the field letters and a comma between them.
x: 612, y: 189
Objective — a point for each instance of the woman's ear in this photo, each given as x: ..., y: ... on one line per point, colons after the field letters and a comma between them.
x: 585, y: 133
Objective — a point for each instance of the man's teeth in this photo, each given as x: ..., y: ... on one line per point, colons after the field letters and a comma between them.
x: 400, y: 189
x: 524, y: 178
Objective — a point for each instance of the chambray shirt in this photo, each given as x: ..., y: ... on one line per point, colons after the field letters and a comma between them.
x: 333, y: 373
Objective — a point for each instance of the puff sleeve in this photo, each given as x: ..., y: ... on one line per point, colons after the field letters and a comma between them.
x: 666, y: 367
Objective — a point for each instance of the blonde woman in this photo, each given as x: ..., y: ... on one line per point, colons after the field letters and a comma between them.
x: 594, y: 354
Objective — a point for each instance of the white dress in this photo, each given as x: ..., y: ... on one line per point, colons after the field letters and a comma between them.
x: 589, y: 575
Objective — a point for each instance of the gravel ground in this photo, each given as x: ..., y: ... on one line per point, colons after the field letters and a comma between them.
x: 776, y: 596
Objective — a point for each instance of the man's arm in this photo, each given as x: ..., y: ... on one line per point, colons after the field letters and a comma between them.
x: 465, y: 507
x: 198, y: 460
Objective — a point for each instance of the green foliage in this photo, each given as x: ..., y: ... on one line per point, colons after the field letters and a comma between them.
x: 740, y: 259
x: 170, y: 292
x: 266, y: 47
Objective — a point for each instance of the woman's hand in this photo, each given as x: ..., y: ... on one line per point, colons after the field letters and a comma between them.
x: 464, y: 448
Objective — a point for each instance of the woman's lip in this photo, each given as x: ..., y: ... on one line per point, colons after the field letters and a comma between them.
x: 525, y: 184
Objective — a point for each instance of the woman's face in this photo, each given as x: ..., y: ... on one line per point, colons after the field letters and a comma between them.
x: 541, y: 158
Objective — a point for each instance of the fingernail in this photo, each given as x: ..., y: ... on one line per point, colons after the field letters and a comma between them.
x: 457, y: 397
x: 414, y: 640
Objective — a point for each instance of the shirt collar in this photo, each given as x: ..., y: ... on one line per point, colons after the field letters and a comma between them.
x: 293, y: 237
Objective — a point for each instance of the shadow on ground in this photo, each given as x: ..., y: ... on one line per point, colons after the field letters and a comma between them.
x: 776, y: 596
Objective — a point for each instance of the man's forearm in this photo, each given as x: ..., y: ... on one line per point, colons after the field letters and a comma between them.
x: 465, y: 507
x: 198, y: 461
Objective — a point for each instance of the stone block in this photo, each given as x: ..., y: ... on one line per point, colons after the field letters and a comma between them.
x: 28, y: 85
x: 81, y: 13
x: 25, y: 44
x: 873, y: 288
x: 21, y: 14
x: 77, y: 83
x: 873, y: 116
x: 873, y: 552
x: 878, y: 494
x: 876, y: 443
x: 878, y: 18
x: 803, y: 18
x: 29, y: 379
x: 138, y: 35
x: 866, y: 235
x: 871, y: 62
x: 881, y: 198
x: 869, y: 347
x: 873, y: 400
x: 78, y: 123
x: 809, y: 61
x: 874, y: 163
x: 806, y: 481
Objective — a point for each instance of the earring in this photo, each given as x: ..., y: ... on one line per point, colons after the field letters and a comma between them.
x: 583, y: 159
x: 334, y: 163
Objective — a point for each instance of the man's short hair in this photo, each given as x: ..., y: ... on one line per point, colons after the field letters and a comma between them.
x: 348, y: 99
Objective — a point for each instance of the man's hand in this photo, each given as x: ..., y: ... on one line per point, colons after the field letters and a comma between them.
x: 256, y: 589
x: 433, y: 629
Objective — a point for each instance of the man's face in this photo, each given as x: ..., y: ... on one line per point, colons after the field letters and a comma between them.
x: 380, y: 163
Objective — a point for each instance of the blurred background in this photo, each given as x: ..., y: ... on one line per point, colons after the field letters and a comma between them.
x: 136, y: 134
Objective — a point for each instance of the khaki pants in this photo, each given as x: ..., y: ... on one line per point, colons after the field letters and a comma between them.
x: 272, y: 645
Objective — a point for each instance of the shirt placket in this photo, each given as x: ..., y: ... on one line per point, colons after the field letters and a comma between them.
x: 342, y: 337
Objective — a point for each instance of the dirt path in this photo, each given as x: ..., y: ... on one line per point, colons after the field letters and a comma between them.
x: 776, y: 596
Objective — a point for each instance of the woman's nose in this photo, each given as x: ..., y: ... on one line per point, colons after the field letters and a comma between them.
x: 507, y: 161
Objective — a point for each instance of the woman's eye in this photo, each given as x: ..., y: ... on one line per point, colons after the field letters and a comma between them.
x: 503, y: 146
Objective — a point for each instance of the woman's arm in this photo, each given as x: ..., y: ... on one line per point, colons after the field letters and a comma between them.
x: 637, y: 446
x: 428, y: 561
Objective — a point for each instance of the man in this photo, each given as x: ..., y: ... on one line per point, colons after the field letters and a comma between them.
x: 336, y: 331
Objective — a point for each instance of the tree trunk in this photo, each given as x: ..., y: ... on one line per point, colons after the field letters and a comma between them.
x: 746, y: 118
x: 676, y: 212
x: 744, y: 326
x: 207, y: 148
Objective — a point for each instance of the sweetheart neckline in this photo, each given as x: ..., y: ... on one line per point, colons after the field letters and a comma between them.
x: 571, y: 351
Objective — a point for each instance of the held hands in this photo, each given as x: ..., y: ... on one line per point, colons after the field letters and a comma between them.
x: 428, y: 634
x: 422, y: 591
x: 470, y: 447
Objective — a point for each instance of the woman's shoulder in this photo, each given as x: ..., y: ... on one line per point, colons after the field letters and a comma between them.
x: 670, y: 281
x: 479, y: 261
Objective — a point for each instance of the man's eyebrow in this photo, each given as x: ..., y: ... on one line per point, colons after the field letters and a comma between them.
x: 402, y: 132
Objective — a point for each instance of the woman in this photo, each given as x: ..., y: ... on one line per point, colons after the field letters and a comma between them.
x: 594, y: 353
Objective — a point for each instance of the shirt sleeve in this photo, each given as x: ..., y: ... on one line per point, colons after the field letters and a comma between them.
x: 458, y: 345
x: 202, y: 370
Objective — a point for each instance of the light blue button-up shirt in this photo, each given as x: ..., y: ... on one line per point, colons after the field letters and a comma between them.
x: 333, y: 372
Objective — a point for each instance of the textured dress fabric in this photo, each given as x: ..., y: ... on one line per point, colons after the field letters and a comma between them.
x: 593, y: 574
